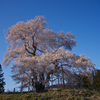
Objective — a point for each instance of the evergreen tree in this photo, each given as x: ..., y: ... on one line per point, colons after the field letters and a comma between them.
x: 82, y: 81
x: 86, y: 82
x: 2, y: 83
x: 96, y: 80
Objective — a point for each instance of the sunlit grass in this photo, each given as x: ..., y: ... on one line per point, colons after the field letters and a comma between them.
x: 68, y: 94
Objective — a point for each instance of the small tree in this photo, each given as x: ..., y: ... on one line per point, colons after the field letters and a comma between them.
x: 2, y: 83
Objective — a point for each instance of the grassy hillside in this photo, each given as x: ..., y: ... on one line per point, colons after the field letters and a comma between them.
x: 69, y: 94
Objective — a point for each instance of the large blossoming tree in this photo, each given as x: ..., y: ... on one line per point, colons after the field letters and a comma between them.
x: 38, y: 52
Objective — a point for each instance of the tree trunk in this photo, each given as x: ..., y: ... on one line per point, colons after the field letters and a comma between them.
x: 63, y: 78
x: 21, y: 90
x: 29, y: 86
x: 58, y: 78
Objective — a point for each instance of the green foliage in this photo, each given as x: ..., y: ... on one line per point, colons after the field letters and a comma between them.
x: 2, y: 83
x: 83, y: 82
x: 86, y: 82
x: 96, y: 80
x: 79, y: 81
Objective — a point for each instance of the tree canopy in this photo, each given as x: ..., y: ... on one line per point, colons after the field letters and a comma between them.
x: 39, y: 52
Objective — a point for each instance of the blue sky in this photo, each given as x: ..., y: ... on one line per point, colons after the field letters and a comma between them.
x: 81, y: 17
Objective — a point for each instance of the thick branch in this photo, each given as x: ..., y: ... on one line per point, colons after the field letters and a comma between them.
x: 33, y: 41
x: 66, y: 65
x: 27, y: 50
x: 35, y: 48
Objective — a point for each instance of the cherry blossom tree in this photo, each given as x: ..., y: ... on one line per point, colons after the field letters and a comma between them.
x: 39, y: 52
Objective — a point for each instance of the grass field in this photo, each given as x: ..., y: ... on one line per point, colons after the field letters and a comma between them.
x: 68, y: 94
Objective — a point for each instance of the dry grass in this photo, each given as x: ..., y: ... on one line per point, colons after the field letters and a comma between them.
x: 69, y: 94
